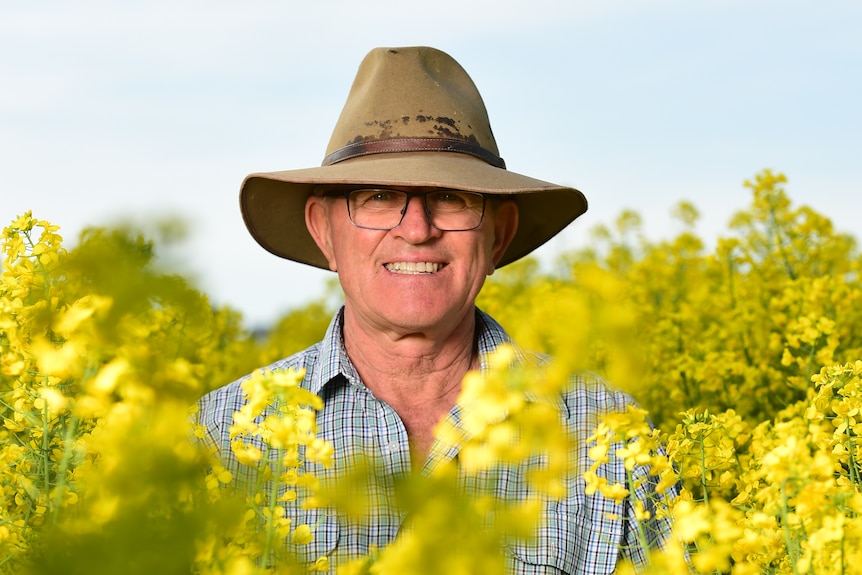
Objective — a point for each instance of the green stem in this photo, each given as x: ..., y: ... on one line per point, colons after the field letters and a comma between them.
x: 272, y: 499
x: 62, y: 468
x: 703, y: 470
x: 843, y: 555
x: 271, y: 530
x: 788, y: 538
x: 775, y: 228
x: 42, y: 270
x: 851, y: 461
x: 45, y: 455
x: 643, y: 542
x: 8, y: 558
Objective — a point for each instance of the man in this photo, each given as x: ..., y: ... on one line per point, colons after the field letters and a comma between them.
x: 413, y: 208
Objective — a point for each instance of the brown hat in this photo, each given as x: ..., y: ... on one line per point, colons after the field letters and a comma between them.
x: 413, y: 118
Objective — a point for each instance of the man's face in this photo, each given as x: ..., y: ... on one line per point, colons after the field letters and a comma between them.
x: 413, y: 278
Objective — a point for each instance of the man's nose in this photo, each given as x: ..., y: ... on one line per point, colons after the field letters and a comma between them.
x: 416, y: 224
x: 415, y: 207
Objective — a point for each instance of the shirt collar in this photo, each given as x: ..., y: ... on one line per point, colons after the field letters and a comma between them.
x: 334, y: 362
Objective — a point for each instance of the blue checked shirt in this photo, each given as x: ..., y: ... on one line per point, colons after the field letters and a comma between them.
x: 580, y: 534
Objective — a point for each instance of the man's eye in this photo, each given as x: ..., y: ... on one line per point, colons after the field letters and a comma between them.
x: 448, y: 199
x: 381, y: 197
x: 377, y: 198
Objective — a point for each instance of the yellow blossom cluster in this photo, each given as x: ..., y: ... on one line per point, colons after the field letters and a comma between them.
x: 747, y: 360
x: 509, y: 418
x: 744, y: 360
x: 101, y: 354
x: 782, y: 497
x: 275, y: 433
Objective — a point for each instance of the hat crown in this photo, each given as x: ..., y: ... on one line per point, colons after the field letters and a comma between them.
x: 413, y: 118
x: 412, y: 93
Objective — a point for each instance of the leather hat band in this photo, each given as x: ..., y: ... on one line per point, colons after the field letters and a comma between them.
x: 390, y: 145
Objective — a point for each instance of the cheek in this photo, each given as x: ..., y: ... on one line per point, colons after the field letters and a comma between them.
x: 353, y: 251
x: 345, y: 242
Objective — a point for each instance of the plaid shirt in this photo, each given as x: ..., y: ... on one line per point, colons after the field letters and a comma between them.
x: 581, y: 534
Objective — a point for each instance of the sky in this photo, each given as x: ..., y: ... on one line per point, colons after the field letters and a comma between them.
x: 116, y: 111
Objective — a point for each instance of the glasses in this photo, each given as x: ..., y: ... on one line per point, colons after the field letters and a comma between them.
x: 447, y: 210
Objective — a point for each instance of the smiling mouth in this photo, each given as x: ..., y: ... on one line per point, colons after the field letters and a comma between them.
x: 413, y: 267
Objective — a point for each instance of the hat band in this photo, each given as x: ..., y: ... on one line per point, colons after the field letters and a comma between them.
x: 391, y: 145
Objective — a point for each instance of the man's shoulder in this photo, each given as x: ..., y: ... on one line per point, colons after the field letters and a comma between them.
x: 308, y: 360
x: 588, y: 397
x: 595, y: 389
x: 304, y: 359
x: 232, y: 395
x: 585, y: 390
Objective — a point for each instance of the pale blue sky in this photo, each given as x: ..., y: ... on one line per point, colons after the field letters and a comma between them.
x: 117, y: 109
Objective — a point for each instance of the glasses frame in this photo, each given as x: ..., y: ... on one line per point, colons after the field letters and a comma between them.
x: 409, y: 195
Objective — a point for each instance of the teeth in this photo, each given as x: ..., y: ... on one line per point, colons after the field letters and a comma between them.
x: 413, y: 267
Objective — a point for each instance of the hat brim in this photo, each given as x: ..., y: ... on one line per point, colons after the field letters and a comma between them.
x: 273, y: 203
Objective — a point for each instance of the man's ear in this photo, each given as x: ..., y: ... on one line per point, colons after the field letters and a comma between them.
x: 318, y: 223
x: 505, y: 226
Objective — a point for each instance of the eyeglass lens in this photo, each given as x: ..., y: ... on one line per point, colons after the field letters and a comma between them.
x: 448, y: 210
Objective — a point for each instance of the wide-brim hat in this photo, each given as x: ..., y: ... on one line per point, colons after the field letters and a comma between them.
x: 413, y: 118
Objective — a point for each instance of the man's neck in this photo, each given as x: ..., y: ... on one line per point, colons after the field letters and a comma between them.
x: 417, y: 374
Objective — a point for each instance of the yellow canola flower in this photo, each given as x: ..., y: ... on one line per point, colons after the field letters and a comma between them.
x: 71, y: 318
x: 57, y: 360
x: 103, y: 509
x: 23, y: 223
x: 358, y: 566
x: 320, y: 451
x: 487, y: 400
x: 54, y: 400
x: 246, y: 454
x: 320, y: 565
x: 108, y: 376
x: 596, y: 483
x: 288, y: 496
x: 302, y: 535
x: 90, y: 407
x: 12, y: 365
x: 636, y: 452
x: 614, y: 491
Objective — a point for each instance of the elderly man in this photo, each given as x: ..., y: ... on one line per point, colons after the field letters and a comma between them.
x: 413, y: 208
